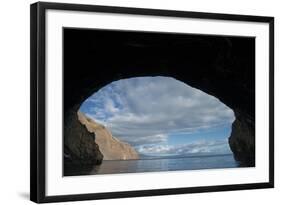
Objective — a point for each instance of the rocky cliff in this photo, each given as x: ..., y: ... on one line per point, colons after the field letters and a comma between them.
x: 79, y: 144
x: 242, y: 140
x: 110, y: 147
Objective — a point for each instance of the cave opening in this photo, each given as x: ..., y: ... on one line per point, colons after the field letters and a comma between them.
x: 156, y: 117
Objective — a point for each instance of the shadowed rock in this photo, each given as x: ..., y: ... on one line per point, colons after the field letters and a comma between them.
x: 242, y: 141
x: 79, y: 146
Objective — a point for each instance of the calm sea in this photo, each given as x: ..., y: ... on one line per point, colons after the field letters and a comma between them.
x: 157, y: 165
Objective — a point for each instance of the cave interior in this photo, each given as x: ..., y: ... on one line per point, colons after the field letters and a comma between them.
x: 222, y: 66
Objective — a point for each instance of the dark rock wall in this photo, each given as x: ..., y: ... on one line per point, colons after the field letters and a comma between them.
x: 242, y: 140
x: 218, y: 65
x: 79, y: 144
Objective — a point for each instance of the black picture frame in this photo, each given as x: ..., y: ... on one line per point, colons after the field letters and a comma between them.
x: 38, y: 101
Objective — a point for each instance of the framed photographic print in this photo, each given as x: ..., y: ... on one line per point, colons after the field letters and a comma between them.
x: 129, y: 102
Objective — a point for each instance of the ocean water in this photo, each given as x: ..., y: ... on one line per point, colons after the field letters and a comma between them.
x: 157, y: 165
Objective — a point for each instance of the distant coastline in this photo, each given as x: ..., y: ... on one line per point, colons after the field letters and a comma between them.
x: 147, y: 157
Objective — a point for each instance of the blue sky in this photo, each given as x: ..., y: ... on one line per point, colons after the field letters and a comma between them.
x: 162, y: 116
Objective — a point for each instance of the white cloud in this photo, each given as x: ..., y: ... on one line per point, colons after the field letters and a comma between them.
x: 144, y: 110
x: 200, y: 147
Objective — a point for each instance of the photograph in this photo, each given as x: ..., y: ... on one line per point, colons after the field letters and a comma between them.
x: 133, y: 102
x: 141, y: 101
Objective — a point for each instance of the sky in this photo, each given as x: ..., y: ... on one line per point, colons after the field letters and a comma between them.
x: 161, y: 116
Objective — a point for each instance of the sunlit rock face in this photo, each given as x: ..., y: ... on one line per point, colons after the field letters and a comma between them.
x: 223, y: 67
x: 110, y: 147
